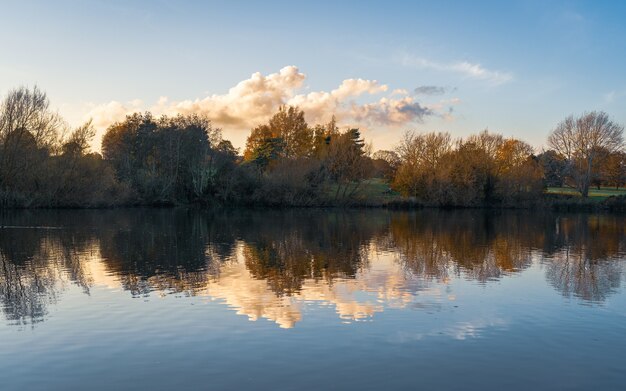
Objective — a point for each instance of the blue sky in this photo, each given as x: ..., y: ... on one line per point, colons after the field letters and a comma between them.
x: 513, y: 67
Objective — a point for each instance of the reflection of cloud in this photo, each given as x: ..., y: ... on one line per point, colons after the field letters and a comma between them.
x: 385, y: 284
x: 251, y: 297
x: 459, y: 331
x: 99, y: 275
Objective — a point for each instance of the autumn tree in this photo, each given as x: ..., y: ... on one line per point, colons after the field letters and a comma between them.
x: 614, y: 169
x: 465, y: 178
x: 420, y: 156
x: 519, y: 173
x: 288, y: 128
x: 322, y: 136
x: 385, y: 163
x: 346, y: 162
x: 582, y: 141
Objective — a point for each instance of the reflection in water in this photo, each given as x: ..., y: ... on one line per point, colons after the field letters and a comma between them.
x: 271, y: 264
x: 585, y: 256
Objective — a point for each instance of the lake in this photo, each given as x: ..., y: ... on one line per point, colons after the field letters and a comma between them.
x: 162, y: 299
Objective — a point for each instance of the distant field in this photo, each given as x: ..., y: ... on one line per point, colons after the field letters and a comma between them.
x: 600, y: 195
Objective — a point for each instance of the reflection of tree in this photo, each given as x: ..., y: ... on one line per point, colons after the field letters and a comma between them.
x: 582, y: 253
x: 25, y: 291
x: 287, y: 248
x: 164, y: 250
x: 282, y: 256
x: 480, y: 245
x: 586, y: 259
x: 36, y: 264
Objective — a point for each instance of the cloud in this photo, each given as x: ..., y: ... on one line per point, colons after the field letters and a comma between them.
x: 254, y: 100
x: 476, y: 71
x: 245, y: 104
x: 391, y: 111
x: 444, y: 108
x: 432, y: 90
x: 614, y: 96
x: 469, y: 70
x: 105, y: 114
x: 319, y: 106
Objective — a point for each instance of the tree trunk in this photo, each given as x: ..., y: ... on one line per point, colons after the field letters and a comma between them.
x: 585, y: 190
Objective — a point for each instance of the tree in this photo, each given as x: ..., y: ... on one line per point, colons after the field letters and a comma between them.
x: 346, y: 162
x: 77, y: 143
x: 583, y: 141
x: 512, y: 153
x: 167, y: 159
x: 554, y: 168
x: 385, y: 163
x: 420, y: 156
x: 322, y: 136
x: 465, y: 177
x: 614, y: 169
x: 519, y: 173
x: 29, y: 132
x: 289, y: 124
x: 290, y: 127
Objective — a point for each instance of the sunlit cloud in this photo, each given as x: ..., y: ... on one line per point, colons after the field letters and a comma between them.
x: 252, y: 101
x: 104, y: 115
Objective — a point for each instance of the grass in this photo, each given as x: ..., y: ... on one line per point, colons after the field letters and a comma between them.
x: 594, y: 193
x: 373, y: 191
x: 376, y: 191
x: 377, y: 188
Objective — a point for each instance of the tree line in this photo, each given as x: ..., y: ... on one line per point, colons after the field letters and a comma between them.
x: 184, y: 159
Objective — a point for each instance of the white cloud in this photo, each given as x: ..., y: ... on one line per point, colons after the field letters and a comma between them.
x: 476, y: 71
x: 614, y: 96
x: 464, y: 68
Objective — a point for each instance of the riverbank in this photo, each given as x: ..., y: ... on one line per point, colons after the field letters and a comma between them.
x: 552, y: 202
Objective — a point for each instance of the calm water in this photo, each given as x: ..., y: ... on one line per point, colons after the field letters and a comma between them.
x: 310, y: 300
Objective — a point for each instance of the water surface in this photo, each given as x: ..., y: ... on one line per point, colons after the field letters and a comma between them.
x: 312, y: 299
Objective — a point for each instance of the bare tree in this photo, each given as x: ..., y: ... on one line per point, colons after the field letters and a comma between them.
x: 29, y: 132
x: 583, y: 141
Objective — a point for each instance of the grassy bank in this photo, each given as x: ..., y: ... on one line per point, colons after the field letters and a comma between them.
x: 376, y: 193
x: 595, y: 194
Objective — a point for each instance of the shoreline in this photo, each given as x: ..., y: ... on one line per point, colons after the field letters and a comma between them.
x: 549, y: 203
